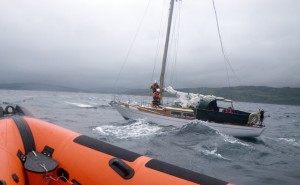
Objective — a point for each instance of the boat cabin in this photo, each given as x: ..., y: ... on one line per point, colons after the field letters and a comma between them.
x: 209, y: 110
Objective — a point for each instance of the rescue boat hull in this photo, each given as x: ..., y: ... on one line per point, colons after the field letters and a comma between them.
x: 80, y: 159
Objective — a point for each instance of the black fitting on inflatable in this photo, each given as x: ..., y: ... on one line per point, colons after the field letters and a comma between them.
x: 21, y: 156
x: 1, y: 114
x: 75, y: 182
x: 62, y: 174
x: 15, y: 177
x: 10, y: 109
x: 48, y: 151
x: 2, y: 182
x: 23, y: 111
x: 125, y: 171
x: 37, y: 162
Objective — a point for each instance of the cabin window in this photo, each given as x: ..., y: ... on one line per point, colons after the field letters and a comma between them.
x: 188, y: 115
x: 176, y: 114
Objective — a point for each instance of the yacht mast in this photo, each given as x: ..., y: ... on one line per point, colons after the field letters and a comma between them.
x: 163, y: 68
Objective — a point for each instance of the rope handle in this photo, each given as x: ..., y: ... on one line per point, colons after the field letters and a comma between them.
x: 56, y: 179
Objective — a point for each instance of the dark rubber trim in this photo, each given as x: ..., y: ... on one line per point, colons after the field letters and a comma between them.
x: 106, y: 148
x: 183, y: 173
x: 25, y: 133
x: 2, y: 182
x: 75, y: 182
x: 1, y: 115
x: 23, y: 111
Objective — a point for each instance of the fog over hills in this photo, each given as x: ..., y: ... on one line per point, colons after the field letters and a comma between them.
x: 258, y: 94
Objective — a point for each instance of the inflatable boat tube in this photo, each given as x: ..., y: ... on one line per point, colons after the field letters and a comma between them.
x: 35, y: 152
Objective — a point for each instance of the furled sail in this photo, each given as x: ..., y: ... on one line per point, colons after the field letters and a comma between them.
x: 186, y: 100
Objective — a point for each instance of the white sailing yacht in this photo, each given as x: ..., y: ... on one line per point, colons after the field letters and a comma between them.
x: 193, y: 108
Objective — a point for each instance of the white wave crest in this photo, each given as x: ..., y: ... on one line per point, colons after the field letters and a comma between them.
x: 290, y: 141
x: 137, y: 129
x: 202, y: 123
x: 214, y: 153
x: 233, y: 140
x: 81, y: 105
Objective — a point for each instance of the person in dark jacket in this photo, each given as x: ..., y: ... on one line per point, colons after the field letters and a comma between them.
x: 154, y: 86
x: 262, y: 117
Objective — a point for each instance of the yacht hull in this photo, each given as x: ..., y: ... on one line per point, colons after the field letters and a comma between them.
x: 131, y: 112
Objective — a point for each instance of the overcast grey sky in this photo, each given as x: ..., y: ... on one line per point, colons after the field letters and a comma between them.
x: 84, y: 44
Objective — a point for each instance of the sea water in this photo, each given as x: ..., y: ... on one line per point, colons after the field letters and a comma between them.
x: 272, y: 158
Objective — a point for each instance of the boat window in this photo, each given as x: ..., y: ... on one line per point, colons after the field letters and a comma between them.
x: 223, y: 104
x: 176, y: 113
x: 188, y: 115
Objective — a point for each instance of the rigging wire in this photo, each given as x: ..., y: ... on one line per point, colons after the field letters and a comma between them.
x: 131, y: 45
x: 226, y: 60
x: 221, y: 42
x: 170, y: 50
x: 171, y: 46
x: 173, y: 71
x: 158, y: 42
x: 174, y: 39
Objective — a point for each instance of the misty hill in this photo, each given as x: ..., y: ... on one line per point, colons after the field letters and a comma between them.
x: 257, y: 94
x: 38, y: 87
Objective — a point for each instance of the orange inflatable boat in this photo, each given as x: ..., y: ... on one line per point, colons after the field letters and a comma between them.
x: 34, y: 152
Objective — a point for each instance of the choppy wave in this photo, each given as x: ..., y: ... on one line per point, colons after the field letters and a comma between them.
x: 285, y: 141
x: 22, y: 100
x: 227, y: 138
x: 213, y: 153
x: 261, y: 160
x: 290, y: 141
x: 200, y: 127
x: 87, y: 105
x: 203, y: 127
x: 233, y: 140
x: 137, y: 129
x: 81, y: 105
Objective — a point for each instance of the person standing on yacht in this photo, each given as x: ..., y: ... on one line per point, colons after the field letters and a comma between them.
x: 154, y: 86
x: 156, y: 98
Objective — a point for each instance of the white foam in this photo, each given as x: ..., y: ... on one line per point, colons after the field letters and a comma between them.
x: 214, y: 153
x: 290, y: 141
x: 101, y: 131
x: 233, y: 140
x: 136, y: 129
x: 81, y: 105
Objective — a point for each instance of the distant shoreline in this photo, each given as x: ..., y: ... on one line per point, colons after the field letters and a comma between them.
x: 254, y: 94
